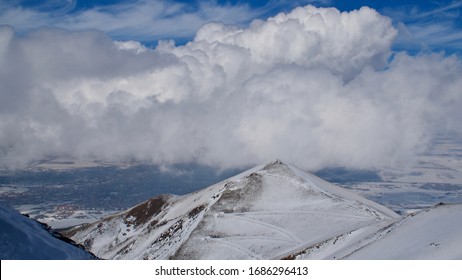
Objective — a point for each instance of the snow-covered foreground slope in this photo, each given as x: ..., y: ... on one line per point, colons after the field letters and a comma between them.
x: 23, y: 238
x: 272, y: 211
x: 434, y: 233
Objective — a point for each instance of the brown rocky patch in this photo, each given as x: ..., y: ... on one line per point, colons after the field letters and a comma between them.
x: 141, y: 213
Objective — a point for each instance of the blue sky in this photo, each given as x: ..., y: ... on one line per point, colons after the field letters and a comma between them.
x: 426, y: 25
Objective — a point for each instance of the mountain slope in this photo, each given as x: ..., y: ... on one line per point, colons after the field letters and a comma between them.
x: 433, y: 233
x: 267, y: 212
x: 22, y: 238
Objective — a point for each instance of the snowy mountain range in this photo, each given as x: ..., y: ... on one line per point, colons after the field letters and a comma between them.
x: 22, y: 238
x: 273, y: 211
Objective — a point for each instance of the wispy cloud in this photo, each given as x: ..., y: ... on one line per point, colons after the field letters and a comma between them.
x: 133, y: 19
x: 436, y: 28
x: 444, y: 10
x: 140, y: 20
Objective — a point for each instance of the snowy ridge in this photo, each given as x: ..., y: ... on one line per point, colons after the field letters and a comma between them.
x: 270, y: 211
x: 341, y: 192
x: 22, y: 238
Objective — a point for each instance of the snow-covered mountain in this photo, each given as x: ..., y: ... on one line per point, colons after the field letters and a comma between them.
x: 273, y: 211
x: 22, y: 238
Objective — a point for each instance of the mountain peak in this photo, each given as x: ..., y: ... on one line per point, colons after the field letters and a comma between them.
x: 277, y: 162
x: 270, y: 211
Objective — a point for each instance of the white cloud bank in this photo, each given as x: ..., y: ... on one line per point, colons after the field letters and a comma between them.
x: 314, y: 87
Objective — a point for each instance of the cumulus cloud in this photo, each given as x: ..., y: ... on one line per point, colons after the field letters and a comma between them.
x: 314, y: 87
